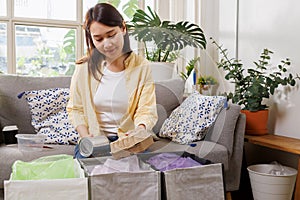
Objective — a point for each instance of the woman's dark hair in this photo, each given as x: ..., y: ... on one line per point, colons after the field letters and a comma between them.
x: 109, y: 16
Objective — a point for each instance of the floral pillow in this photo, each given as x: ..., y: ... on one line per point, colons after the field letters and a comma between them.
x: 49, y: 115
x: 191, y: 120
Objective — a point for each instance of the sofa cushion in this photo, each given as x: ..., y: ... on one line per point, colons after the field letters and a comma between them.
x: 169, y: 95
x: 190, y: 121
x: 49, y: 115
x: 15, y: 111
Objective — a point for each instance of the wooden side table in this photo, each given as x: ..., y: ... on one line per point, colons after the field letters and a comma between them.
x: 282, y: 143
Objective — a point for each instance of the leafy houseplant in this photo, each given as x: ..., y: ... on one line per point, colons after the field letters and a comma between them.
x: 205, y: 84
x: 168, y: 37
x: 189, y: 68
x: 206, y: 80
x: 254, y: 84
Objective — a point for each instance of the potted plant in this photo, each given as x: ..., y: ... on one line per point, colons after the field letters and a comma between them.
x: 206, y: 83
x: 253, y: 85
x: 167, y: 37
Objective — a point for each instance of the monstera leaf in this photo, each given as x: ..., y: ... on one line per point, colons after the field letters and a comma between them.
x: 166, y: 35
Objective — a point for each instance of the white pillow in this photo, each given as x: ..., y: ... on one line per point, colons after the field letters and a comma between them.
x: 190, y: 121
x: 49, y: 115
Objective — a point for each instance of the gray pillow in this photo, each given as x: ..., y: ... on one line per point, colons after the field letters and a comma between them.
x: 169, y: 95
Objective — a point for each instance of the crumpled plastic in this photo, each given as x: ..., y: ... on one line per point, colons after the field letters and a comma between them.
x: 128, y: 164
x: 278, y: 169
x: 47, y: 167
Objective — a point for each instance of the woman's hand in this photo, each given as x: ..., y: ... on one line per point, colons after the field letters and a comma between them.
x: 139, y: 128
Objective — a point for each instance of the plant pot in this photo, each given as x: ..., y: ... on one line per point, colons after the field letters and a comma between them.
x: 162, y: 70
x: 256, y: 122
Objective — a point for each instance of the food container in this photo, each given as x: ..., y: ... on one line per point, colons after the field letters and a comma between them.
x: 30, y: 142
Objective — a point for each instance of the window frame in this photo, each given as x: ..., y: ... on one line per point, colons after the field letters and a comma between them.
x: 168, y: 9
x: 12, y: 21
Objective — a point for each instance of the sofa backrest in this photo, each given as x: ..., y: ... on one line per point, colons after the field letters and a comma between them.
x: 14, y: 111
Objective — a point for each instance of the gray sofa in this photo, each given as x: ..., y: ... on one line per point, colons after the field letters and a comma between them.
x: 224, y: 142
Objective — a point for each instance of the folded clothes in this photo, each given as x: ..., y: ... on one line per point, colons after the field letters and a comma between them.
x: 168, y: 161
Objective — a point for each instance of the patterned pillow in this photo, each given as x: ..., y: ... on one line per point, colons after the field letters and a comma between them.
x: 190, y: 121
x: 49, y: 115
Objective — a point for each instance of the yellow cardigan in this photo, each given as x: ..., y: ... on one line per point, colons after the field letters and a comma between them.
x: 141, y: 92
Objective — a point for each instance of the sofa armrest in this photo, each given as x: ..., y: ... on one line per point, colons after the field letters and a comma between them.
x: 224, y: 127
x: 235, y: 161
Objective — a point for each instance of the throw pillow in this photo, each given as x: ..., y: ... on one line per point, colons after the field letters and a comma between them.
x: 49, y: 115
x: 190, y: 121
x: 169, y: 95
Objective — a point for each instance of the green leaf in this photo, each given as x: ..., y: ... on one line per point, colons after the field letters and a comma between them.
x: 166, y: 35
x: 258, y: 83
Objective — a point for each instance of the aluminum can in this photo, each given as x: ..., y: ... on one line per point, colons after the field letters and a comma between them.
x: 94, y: 146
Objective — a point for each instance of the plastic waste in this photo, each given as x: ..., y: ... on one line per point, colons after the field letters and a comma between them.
x: 47, y: 167
x: 278, y: 169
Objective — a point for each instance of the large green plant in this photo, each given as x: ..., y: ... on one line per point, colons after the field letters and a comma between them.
x: 252, y: 85
x: 168, y: 37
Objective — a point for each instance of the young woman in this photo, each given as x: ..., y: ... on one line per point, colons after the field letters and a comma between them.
x: 112, y: 90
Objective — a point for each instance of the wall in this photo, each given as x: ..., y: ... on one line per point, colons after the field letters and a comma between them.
x: 273, y: 24
x: 268, y: 24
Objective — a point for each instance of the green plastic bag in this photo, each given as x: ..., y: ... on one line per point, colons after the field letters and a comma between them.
x: 48, y: 167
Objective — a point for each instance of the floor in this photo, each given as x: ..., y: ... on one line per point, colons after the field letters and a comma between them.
x: 245, y: 191
x: 234, y: 195
x: 1, y: 194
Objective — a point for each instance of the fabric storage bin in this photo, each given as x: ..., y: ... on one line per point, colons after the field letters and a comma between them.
x: 58, y: 189
x: 137, y: 185
x: 199, y: 182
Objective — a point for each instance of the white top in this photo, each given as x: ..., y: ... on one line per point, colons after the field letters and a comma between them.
x: 111, y: 101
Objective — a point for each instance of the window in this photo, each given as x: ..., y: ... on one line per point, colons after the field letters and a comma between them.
x: 45, y: 9
x: 41, y: 37
x: 44, y: 50
x: 3, y: 47
x: 45, y: 37
x: 3, y: 8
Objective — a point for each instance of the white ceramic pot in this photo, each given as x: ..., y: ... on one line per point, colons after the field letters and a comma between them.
x: 162, y: 70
